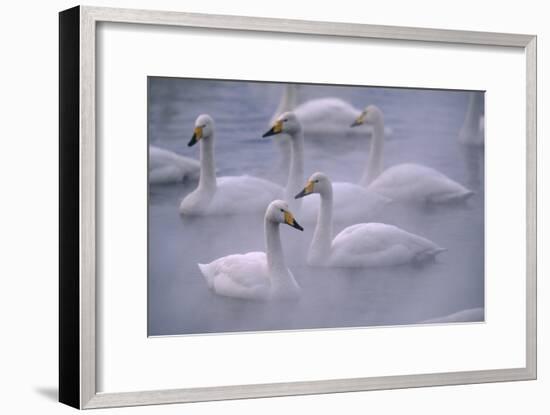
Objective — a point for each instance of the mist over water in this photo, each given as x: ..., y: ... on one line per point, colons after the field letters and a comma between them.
x: 425, y: 125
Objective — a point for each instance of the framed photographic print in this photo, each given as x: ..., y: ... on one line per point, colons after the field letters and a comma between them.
x: 255, y: 207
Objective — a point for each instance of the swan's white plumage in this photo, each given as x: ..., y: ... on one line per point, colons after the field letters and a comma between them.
x: 326, y: 111
x: 350, y: 201
x: 168, y: 167
x: 472, y: 131
x: 240, y: 275
x: 379, y: 245
x: 233, y: 195
x: 224, y: 195
x: 360, y: 245
x: 257, y: 275
x: 407, y: 181
x: 414, y: 182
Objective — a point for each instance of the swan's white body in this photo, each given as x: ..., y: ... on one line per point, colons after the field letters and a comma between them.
x: 351, y: 200
x: 322, y: 119
x: 414, y: 182
x: 470, y: 314
x: 473, y: 128
x: 364, y: 244
x: 404, y: 182
x: 168, y: 167
x: 225, y: 195
x: 255, y: 275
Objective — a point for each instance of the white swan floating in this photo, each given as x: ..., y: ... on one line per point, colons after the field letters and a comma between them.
x: 462, y: 316
x: 165, y: 166
x: 364, y: 244
x: 350, y: 199
x: 257, y: 275
x: 227, y: 195
x: 322, y: 119
x: 404, y: 182
x: 473, y: 129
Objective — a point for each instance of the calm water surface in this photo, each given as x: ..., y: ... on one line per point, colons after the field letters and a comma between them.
x: 425, y: 126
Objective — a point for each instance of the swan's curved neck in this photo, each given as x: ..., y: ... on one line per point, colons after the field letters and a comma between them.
x: 274, y: 250
x: 475, y: 105
x: 375, y: 160
x: 295, y: 180
x: 321, y: 243
x: 207, y: 180
x: 289, y: 100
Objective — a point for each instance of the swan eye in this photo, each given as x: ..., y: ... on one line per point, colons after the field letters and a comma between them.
x: 317, y: 181
x: 285, y: 120
x: 282, y: 210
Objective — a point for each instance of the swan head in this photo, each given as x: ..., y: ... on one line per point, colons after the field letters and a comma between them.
x: 370, y: 115
x: 204, y: 128
x: 286, y: 123
x: 278, y: 212
x: 317, y: 183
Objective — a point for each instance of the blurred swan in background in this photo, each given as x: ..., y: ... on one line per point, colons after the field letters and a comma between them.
x: 473, y: 128
x: 257, y: 275
x: 165, y: 166
x: 223, y: 195
x: 351, y: 199
x: 404, y: 182
x: 470, y: 314
x: 364, y: 244
x: 321, y: 119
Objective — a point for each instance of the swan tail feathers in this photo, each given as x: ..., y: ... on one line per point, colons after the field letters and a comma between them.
x: 207, y: 271
x: 452, y: 197
x: 428, y: 255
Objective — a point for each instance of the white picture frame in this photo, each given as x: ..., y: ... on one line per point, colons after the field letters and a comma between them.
x: 78, y: 172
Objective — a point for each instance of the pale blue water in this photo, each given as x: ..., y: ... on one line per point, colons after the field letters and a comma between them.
x: 425, y: 125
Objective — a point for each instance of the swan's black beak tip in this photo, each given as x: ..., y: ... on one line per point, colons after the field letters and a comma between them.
x: 269, y: 133
x: 301, y: 194
x: 193, y: 141
x: 355, y: 124
x: 297, y: 226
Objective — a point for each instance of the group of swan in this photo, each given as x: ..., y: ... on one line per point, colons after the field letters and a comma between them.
x: 324, y: 118
x: 360, y: 245
x: 223, y: 195
x: 259, y: 275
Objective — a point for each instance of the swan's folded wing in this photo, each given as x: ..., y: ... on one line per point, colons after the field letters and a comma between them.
x: 363, y: 238
x: 247, y: 270
x: 323, y: 110
x: 417, y: 182
x: 167, y: 166
x: 351, y: 202
x: 244, y: 194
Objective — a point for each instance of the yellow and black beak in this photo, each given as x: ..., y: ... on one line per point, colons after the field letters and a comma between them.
x: 289, y: 220
x: 197, y: 135
x: 276, y: 129
x: 306, y: 190
x: 359, y: 120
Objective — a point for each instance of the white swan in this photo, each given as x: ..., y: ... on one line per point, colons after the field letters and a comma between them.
x: 350, y: 199
x: 473, y: 128
x: 165, y: 166
x: 404, y: 182
x: 257, y: 275
x: 223, y: 195
x: 321, y: 118
x: 287, y: 125
x: 364, y: 244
